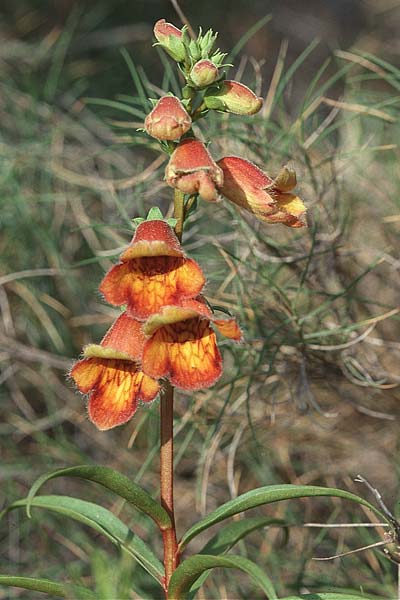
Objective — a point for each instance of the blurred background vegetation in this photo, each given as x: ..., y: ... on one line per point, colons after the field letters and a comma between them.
x: 312, y: 396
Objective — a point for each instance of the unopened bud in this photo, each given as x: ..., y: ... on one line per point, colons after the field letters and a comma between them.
x: 204, y: 73
x: 233, y: 97
x: 170, y: 38
x: 168, y: 120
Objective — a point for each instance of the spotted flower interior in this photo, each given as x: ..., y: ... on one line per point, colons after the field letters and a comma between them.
x: 166, y: 331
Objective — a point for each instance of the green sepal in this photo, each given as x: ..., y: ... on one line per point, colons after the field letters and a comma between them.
x: 268, y: 495
x: 154, y: 214
x: 193, y: 567
x: 101, y: 520
x: 46, y: 586
x: 115, y: 482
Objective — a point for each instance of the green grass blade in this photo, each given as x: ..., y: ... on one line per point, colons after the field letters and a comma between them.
x: 46, y: 586
x: 101, y: 520
x: 329, y: 596
x: 113, y: 481
x: 193, y: 567
x: 269, y: 495
x: 246, y: 37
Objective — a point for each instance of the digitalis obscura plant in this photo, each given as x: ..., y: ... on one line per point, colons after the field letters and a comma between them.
x: 166, y: 335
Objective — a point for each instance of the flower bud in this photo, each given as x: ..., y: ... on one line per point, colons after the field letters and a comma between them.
x: 203, y: 74
x: 233, y: 97
x: 170, y: 38
x: 168, y: 120
x: 268, y: 199
x: 192, y: 170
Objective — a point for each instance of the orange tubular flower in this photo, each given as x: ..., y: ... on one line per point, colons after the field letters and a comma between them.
x: 192, y: 170
x: 110, y: 374
x: 268, y: 199
x: 233, y: 97
x: 183, y: 347
x: 168, y: 120
x: 153, y: 272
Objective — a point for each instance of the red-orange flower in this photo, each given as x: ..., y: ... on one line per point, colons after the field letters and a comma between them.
x: 168, y: 120
x: 183, y: 347
x: 111, y: 375
x: 192, y: 170
x: 268, y: 199
x: 153, y: 272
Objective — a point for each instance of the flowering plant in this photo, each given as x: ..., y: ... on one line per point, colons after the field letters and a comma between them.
x: 166, y: 335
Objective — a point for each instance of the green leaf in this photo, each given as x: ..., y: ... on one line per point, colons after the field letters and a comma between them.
x: 47, y: 587
x: 227, y: 537
x: 268, y: 495
x: 231, y: 534
x: 101, y: 520
x: 113, y: 481
x: 193, y: 567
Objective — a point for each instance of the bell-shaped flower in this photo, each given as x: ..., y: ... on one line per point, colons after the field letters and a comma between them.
x: 268, y: 199
x: 192, y: 170
x: 233, y: 97
x: 153, y: 272
x: 168, y: 120
x: 203, y: 73
x: 183, y: 347
x: 170, y: 38
x: 110, y: 373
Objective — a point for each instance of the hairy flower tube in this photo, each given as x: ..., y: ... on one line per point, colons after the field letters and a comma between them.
x: 182, y: 345
x: 153, y: 272
x: 168, y: 120
x: 192, y: 170
x: 233, y: 97
x: 170, y: 38
x: 110, y: 373
x: 268, y: 199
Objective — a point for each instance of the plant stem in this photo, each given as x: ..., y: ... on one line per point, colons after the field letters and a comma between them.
x: 179, y: 213
x: 171, y: 553
x: 167, y: 481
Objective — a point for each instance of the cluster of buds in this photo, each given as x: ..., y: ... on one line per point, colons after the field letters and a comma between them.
x: 166, y: 330
x: 191, y: 168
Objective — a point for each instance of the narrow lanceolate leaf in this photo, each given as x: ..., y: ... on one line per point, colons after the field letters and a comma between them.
x: 268, y: 495
x: 193, y: 567
x: 331, y: 596
x: 103, y: 521
x: 227, y: 537
x: 113, y: 481
x: 47, y: 587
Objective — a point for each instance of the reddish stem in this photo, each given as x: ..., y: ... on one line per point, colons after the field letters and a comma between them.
x: 171, y: 557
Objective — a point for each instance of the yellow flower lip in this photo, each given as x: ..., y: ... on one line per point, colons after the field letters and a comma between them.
x: 98, y: 351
